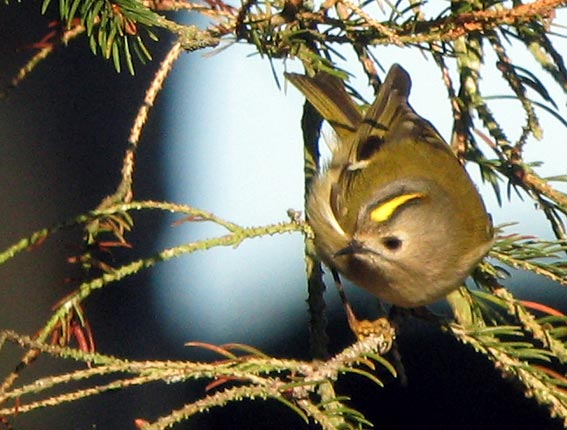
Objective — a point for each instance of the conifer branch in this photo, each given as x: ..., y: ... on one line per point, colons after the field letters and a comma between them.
x: 511, y: 359
x: 296, y: 384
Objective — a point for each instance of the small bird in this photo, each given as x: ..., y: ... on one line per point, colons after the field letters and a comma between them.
x: 394, y: 211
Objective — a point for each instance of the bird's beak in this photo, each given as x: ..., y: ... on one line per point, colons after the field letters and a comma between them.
x: 354, y: 247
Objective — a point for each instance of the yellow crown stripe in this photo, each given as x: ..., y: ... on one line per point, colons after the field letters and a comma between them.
x: 385, y: 211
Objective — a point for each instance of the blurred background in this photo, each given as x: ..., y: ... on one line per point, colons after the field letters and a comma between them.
x: 223, y: 137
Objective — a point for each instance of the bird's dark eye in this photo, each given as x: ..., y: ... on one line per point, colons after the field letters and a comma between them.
x: 392, y: 243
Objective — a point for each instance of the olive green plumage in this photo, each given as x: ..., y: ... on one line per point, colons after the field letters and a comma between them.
x: 395, y: 211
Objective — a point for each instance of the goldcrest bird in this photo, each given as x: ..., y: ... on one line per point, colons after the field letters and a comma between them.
x: 394, y: 211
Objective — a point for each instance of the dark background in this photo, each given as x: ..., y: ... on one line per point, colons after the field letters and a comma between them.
x: 62, y: 138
